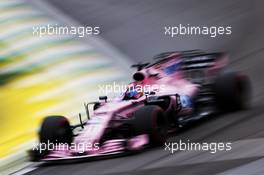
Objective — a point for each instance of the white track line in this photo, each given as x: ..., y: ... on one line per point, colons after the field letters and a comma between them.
x: 27, y: 169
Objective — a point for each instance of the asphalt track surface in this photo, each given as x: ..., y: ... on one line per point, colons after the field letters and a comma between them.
x: 136, y: 29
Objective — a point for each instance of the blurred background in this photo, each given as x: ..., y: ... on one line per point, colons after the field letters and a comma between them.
x: 137, y: 27
x: 47, y: 75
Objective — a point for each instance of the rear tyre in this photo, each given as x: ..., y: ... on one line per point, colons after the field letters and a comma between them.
x: 152, y: 121
x: 232, y: 91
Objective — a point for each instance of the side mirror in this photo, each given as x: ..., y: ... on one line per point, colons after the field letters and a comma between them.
x: 103, y: 98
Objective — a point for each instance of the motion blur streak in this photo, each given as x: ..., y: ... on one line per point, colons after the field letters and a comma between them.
x: 136, y: 28
x: 42, y: 76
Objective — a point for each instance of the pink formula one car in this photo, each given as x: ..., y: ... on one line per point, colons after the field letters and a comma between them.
x: 178, y: 88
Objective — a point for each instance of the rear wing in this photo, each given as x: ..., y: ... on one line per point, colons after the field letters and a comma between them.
x: 191, y: 59
x: 184, y: 52
x: 198, y: 68
x: 196, y: 65
x: 200, y: 61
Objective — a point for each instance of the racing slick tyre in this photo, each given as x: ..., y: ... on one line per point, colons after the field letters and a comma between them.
x: 55, y: 129
x: 232, y: 91
x: 152, y: 121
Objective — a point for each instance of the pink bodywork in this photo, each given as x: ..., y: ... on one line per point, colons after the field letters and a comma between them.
x: 119, y: 109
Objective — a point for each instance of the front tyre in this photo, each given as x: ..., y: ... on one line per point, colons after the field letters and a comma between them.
x: 55, y: 129
x: 152, y: 121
